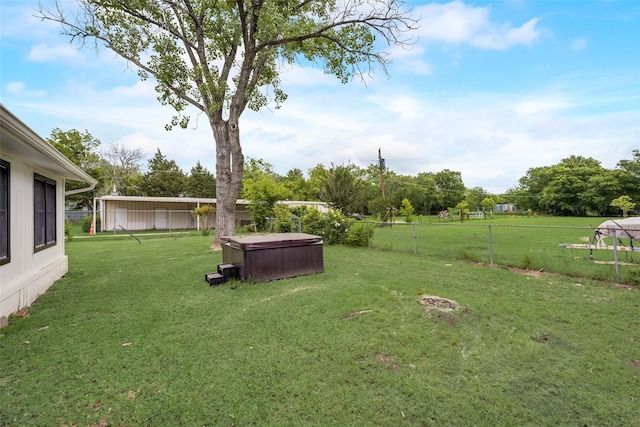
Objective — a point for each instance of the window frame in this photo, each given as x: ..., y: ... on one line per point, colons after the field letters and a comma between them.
x: 5, y: 207
x: 44, y: 212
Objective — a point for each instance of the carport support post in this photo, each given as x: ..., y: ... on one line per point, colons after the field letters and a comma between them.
x: 490, y: 247
x: 94, y: 217
x: 615, y: 256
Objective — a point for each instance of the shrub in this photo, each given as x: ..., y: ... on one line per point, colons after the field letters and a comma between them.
x: 332, y: 227
x: 260, y: 211
x: 67, y: 230
x: 357, y: 235
x: 86, y: 223
x: 407, y: 210
x: 281, y: 221
x: 204, y: 215
x: 300, y: 211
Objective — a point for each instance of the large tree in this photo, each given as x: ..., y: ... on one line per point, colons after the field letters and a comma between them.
x: 632, y: 166
x: 450, y: 188
x: 343, y: 188
x: 121, y: 167
x: 163, y: 178
x: 200, y: 182
x: 222, y: 56
x: 81, y: 149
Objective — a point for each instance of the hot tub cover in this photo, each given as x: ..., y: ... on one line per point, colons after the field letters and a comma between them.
x: 269, y: 241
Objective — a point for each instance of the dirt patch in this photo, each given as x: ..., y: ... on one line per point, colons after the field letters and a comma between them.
x: 387, y: 360
x: 636, y: 363
x: 432, y: 302
x: 22, y: 313
x: 356, y: 313
x: 532, y: 273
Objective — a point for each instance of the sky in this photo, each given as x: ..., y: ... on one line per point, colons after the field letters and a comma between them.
x: 489, y: 89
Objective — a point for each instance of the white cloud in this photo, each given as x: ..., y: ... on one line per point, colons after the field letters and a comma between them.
x: 458, y: 23
x: 505, y: 37
x: 296, y: 75
x: 540, y: 104
x: 403, y: 106
x: 19, y: 22
x: 44, y: 52
x: 19, y: 88
x: 15, y: 87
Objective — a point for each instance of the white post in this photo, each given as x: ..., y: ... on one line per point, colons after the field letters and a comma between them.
x: 490, y: 247
x: 94, y: 215
x: 615, y: 256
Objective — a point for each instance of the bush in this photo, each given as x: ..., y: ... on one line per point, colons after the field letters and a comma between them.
x: 86, y: 223
x: 281, y: 221
x: 205, y: 215
x: 407, y: 210
x: 332, y: 227
x: 300, y: 211
x: 67, y: 230
x: 357, y: 235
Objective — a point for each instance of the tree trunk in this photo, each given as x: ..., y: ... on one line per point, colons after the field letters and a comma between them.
x: 229, y: 169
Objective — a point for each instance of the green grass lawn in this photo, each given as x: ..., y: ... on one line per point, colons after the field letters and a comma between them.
x: 529, y: 243
x: 133, y: 336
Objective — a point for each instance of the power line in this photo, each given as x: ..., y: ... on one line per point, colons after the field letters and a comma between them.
x: 65, y: 113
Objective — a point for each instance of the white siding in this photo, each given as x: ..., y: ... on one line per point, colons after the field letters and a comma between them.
x: 29, y: 273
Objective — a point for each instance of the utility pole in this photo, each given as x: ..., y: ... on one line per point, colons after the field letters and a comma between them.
x: 381, y: 166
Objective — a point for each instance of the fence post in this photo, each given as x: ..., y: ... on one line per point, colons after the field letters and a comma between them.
x: 415, y: 251
x: 490, y: 247
x: 615, y: 256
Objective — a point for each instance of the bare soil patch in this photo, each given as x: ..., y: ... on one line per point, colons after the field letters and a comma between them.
x: 432, y: 302
x: 387, y: 360
x: 532, y: 273
x: 356, y: 313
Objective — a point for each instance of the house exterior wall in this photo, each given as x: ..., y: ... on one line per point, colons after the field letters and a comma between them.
x: 29, y: 273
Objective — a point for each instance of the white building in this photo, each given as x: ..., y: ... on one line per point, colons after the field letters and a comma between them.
x: 32, y: 201
x: 135, y: 213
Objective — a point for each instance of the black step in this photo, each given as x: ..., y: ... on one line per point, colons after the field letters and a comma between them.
x: 228, y: 271
x: 214, y: 279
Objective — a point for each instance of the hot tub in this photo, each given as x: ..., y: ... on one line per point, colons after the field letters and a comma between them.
x: 265, y: 257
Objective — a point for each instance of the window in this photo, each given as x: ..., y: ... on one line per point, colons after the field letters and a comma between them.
x: 44, y: 212
x: 5, y: 248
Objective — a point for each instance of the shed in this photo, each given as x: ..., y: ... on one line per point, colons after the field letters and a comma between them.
x: 168, y: 213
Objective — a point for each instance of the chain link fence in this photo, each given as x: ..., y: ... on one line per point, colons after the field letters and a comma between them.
x: 531, y: 248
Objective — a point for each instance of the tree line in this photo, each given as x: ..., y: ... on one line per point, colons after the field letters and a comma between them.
x: 119, y: 171
x: 580, y: 186
x: 575, y: 186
